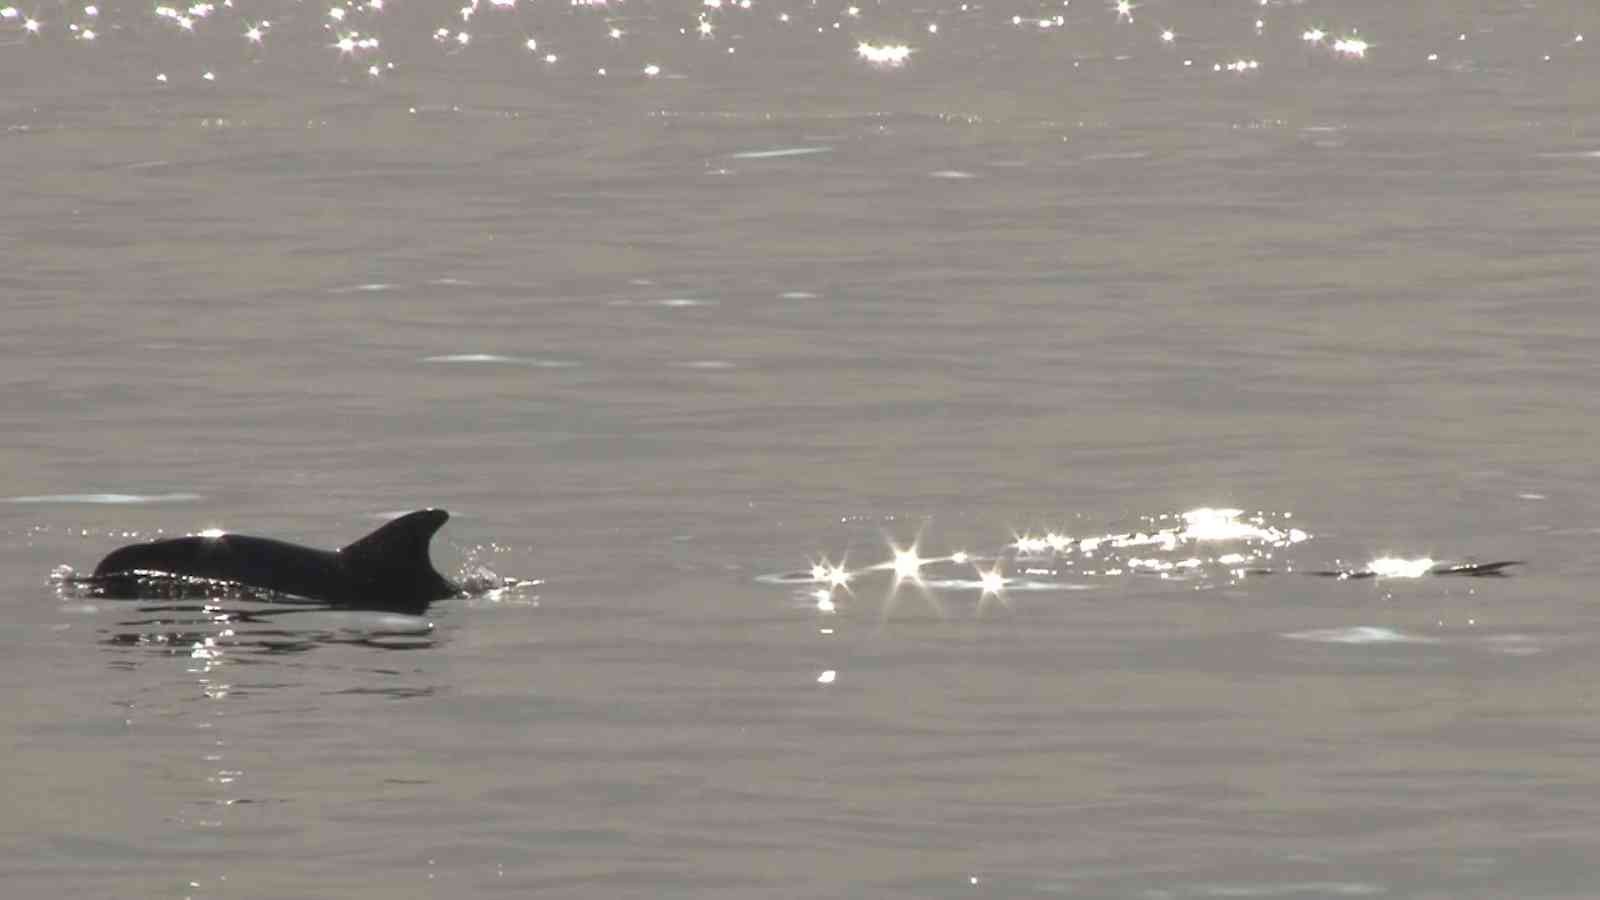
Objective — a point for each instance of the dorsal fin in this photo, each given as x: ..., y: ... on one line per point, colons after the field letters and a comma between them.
x: 401, y: 544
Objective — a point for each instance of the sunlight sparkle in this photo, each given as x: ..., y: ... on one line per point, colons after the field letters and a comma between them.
x: 907, y: 564
x: 993, y: 582
x: 1395, y: 567
x: 1352, y: 47
x: 883, y: 54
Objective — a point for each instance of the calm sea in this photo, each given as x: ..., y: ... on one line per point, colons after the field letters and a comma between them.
x: 832, y: 381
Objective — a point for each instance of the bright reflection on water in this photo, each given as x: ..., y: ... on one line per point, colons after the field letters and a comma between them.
x: 111, y: 499
x: 1205, y: 546
x: 374, y: 40
x: 1394, y: 567
x: 884, y: 54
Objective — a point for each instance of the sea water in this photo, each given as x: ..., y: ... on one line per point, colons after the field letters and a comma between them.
x: 831, y: 381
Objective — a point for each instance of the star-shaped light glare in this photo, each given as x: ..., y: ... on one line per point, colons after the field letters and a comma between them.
x: 831, y: 574
x: 1028, y: 544
x: 992, y: 581
x: 907, y: 564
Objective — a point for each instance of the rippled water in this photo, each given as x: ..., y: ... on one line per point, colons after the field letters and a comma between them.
x: 837, y: 379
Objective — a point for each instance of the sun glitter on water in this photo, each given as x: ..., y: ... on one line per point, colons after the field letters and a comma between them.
x: 362, y: 32
x: 883, y: 54
x: 1202, y: 546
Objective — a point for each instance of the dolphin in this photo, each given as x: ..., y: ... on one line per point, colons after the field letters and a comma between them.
x: 1464, y: 569
x: 388, y: 570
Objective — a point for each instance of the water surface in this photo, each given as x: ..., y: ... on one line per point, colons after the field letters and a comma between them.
x: 683, y: 297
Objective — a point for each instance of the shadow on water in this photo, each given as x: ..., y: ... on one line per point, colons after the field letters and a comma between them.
x: 184, y: 628
x: 200, y: 617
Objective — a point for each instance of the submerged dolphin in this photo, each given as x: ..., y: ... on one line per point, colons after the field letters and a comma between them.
x: 1466, y: 569
x: 387, y: 570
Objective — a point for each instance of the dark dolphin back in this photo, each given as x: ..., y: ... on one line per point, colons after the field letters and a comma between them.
x: 170, y: 557
x: 390, y: 568
x: 260, y: 562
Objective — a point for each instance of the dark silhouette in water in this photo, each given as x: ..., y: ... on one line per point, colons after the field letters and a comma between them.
x: 387, y: 570
x: 1464, y: 569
